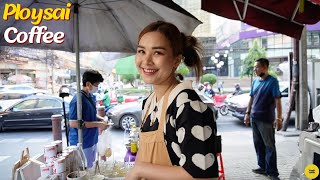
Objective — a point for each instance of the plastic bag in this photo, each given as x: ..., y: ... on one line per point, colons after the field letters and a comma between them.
x: 104, y: 143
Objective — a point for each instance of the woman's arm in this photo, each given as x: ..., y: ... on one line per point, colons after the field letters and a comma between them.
x: 157, y: 172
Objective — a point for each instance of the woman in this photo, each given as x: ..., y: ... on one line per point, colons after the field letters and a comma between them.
x: 178, y: 129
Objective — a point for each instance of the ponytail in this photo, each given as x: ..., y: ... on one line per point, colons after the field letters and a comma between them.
x: 191, y: 51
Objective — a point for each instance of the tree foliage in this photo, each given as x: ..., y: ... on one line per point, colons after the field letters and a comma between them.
x: 211, y: 78
x: 255, y: 53
x: 129, y: 78
x: 183, y: 69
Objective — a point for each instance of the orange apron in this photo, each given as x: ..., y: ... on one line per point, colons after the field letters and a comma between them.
x: 152, y: 147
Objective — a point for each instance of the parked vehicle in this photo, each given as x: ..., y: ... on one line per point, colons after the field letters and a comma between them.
x: 238, y: 104
x: 32, y: 112
x: 128, y: 114
x: 125, y: 115
x: 9, y: 92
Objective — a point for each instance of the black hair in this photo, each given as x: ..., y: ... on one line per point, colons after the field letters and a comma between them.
x: 264, y: 62
x: 91, y: 76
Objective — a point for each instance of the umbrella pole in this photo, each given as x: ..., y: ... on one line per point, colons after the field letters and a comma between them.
x: 76, y: 39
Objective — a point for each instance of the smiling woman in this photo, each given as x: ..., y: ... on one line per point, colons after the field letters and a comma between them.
x: 173, y: 115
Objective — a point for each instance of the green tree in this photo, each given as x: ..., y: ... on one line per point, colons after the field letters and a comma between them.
x: 129, y: 78
x: 211, y: 78
x: 255, y: 53
x: 272, y: 72
x: 183, y: 69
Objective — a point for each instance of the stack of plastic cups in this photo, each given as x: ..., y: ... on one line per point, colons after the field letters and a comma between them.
x: 59, y: 168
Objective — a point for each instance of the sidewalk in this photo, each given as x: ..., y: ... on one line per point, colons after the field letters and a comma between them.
x: 239, y: 155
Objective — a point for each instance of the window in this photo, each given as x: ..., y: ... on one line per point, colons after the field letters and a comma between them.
x: 264, y: 43
x: 27, y: 104
x: 49, y: 103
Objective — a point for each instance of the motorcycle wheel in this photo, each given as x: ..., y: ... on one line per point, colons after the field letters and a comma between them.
x: 223, y: 110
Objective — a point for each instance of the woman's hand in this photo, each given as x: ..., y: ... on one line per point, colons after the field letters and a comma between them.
x: 133, y: 173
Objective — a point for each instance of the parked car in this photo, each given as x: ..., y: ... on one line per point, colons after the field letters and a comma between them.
x: 128, y: 114
x: 32, y: 112
x: 237, y: 105
x: 9, y: 92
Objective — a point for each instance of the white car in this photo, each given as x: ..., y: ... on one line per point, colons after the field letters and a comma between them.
x: 238, y: 104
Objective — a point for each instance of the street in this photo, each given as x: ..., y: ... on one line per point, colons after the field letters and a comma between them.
x: 237, y: 148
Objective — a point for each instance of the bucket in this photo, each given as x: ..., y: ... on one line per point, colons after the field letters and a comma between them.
x: 78, y: 175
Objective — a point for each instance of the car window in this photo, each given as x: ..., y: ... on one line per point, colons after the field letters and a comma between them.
x: 48, y: 103
x: 19, y: 88
x: 10, y: 96
x: 27, y: 104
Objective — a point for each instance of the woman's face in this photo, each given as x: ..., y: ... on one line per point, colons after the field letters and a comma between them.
x: 155, y: 60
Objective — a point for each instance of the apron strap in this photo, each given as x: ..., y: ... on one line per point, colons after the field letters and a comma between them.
x: 162, y: 120
x: 146, y: 108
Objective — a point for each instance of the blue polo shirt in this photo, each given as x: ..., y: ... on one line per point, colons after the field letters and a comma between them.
x: 264, y: 93
x: 89, y: 112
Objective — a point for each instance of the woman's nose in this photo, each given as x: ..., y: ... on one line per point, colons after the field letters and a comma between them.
x: 147, y: 58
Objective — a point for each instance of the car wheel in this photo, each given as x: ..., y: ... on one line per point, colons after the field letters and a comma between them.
x: 127, y: 121
x: 223, y: 110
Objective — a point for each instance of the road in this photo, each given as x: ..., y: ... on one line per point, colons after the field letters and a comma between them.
x: 236, y: 140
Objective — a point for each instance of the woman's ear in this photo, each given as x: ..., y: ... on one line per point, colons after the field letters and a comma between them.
x: 178, y: 60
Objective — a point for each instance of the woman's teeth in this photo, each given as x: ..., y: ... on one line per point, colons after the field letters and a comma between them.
x: 149, y: 70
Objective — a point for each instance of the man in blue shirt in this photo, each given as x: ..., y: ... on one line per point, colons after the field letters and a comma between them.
x: 264, y: 98
x: 92, y: 121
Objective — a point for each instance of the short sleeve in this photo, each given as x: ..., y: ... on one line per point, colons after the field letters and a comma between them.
x: 252, y: 88
x: 73, y: 110
x: 276, y: 90
x: 196, y: 131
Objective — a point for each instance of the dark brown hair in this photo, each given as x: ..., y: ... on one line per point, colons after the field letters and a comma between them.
x: 187, y: 46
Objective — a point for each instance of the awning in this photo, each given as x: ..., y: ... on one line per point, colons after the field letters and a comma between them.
x: 276, y: 16
x: 126, y: 65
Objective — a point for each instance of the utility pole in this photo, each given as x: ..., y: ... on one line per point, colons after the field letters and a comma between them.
x: 302, y: 105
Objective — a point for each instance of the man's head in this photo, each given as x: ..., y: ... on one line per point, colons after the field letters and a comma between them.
x: 91, y: 80
x: 261, y: 67
x: 237, y: 85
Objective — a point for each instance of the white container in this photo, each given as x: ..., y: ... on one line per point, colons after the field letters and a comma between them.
x: 66, y: 155
x: 58, y: 144
x: 45, y: 170
x: 50, y: 152
x: 59, y: 165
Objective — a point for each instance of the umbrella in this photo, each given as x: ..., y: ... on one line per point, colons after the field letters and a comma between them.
x: 276, y: 16
x: 19, y: 78
x: 126, y: 66
x: 94, y: 25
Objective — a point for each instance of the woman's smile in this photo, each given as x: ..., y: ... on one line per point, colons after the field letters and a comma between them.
x: 149, y: 71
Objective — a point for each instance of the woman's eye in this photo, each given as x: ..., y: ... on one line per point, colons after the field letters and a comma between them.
x: 140, y: 51
x: 158, y: 53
